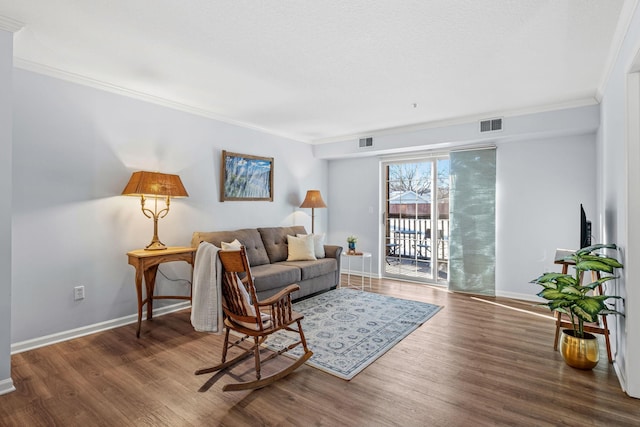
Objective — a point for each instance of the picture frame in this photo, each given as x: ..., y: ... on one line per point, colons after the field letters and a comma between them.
x: 244, y: 177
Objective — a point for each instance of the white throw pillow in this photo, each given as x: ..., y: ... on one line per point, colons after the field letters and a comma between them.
x: 233, y: 246
x: 246, y: 298
x: 249, y: 307
x: 301, y: 248
x: 318, y: 244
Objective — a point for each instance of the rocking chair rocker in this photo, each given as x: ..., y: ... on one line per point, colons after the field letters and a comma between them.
x: 243, y: 313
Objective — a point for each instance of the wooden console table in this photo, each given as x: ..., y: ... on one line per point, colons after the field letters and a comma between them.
x: 146, y: 264
x: 565, y: 323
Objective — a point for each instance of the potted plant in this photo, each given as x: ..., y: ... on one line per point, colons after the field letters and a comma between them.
x: 351, y: 240
x: 566, y: 294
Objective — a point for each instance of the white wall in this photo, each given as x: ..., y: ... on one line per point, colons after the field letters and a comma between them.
x: 542, y: 177
x: 619, y: 199
x: 74, y: 150
x: 6, y: 63
x: 540, y: 186
x: 353, y: 204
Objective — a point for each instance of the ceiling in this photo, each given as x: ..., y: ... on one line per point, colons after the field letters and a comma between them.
x: 323, y: 71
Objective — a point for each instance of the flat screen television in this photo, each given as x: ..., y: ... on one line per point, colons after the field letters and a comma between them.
x: 585, y: 229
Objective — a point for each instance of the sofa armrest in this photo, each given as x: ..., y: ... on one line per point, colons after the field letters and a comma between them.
x: 334, y: 251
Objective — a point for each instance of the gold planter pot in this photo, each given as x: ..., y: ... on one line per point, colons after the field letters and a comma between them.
x: 581, y: 353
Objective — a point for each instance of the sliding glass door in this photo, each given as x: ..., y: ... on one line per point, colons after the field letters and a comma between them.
x: 416, y: 219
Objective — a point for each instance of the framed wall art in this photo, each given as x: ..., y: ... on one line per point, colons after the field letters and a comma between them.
x: 246, y: 177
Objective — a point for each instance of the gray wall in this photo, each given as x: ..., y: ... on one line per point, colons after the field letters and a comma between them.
x: 6, y: 63
x: 619, y: 197
x: 75, y: 148
x: 545, y: 165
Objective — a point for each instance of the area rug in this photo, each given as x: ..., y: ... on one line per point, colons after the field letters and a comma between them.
x: 347, y: 329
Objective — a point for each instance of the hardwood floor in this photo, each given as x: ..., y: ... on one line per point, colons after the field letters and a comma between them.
x: 474, y: 363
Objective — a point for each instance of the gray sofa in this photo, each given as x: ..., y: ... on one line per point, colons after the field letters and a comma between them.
x: 267, y: 252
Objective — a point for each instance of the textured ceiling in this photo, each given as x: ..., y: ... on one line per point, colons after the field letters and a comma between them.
x: 320, y: 71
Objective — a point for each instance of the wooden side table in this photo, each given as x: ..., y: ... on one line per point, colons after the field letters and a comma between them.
x: 146, y: 264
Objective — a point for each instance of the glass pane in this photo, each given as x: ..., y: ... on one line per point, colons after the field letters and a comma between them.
x: 410, y: 191
x: 442, y: 243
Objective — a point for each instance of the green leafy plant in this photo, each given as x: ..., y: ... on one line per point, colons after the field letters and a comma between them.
x: 352, y: 239
x: 566, y: 294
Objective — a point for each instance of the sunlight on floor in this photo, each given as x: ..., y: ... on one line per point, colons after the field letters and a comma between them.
x: 514, y: 308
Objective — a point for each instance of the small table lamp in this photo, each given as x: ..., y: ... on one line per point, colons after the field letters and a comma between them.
x: 313, y: 200
x: 156, y: 185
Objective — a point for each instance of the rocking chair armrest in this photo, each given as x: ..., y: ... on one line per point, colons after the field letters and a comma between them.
x: 277, y: 297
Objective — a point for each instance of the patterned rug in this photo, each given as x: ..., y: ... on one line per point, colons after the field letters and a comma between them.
x: 347, y: 329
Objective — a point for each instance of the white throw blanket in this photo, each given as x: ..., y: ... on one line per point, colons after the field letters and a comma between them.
x: 206, y: 297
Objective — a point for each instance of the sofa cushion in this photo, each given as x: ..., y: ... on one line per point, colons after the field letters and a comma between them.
x: 272, y: 276
x: 311, y: 269
x: 275, y: 241
x: 249, y: 237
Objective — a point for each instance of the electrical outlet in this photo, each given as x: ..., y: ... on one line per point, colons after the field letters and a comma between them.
x: 78, y: 293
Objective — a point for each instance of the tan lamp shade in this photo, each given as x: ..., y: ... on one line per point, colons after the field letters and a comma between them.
x: 155, y: 185
x: 313, y: 200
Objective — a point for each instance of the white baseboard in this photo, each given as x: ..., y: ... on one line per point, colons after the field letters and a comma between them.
x: 31, y: 344
x: 622, y: 378
x: 515, y: 295
x: 6, y: 386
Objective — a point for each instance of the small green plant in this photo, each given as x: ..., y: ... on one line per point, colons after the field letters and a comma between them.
x: 566, y: 294
x: 352, y: 239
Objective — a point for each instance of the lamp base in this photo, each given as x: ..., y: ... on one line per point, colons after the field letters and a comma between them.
x: 155, y: 246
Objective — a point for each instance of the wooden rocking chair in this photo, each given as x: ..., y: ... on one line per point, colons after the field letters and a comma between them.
x: 243, y: 313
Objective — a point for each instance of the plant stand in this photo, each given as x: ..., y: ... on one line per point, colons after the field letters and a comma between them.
x: 564, y: 323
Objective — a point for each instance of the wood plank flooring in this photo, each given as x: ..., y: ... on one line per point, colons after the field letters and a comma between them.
x: 473, y: 364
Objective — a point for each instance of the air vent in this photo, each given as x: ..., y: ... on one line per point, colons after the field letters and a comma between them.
x: 491, y: 125
x: 366, y: 142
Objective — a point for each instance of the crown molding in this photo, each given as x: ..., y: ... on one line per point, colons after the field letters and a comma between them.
x: 10, y: 24
x: 57, y: 73
x: 110, y: 87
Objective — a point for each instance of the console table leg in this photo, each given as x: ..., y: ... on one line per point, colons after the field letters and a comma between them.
x: 139, y: 294
x: 150, y: 282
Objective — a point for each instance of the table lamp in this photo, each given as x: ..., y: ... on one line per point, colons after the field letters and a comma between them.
x: 313, y: 200
x: 156, y: 185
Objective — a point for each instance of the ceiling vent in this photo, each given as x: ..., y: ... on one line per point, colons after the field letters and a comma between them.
x: 366, y: 142
x: 491, y: 125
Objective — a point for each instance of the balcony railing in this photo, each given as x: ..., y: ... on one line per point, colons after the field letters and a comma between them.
x: 414, y: 238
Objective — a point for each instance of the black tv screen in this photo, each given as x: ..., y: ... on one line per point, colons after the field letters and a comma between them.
x: 585, y: 229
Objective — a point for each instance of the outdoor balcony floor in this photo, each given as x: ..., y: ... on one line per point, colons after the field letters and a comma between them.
x: 414, y: 268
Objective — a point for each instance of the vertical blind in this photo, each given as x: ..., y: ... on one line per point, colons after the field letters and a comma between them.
x: 473, y: 221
